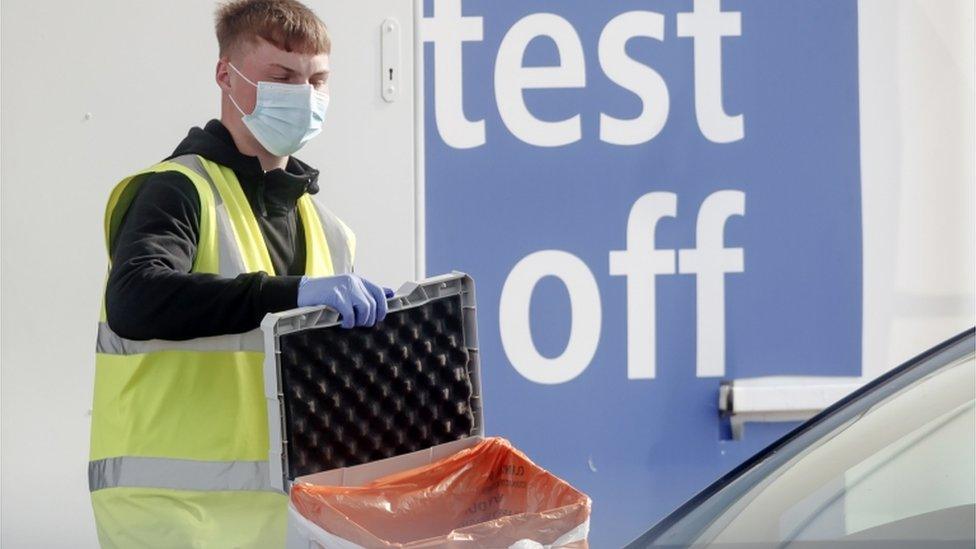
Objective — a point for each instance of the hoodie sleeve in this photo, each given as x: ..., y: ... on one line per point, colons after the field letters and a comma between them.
x: 152, y: 294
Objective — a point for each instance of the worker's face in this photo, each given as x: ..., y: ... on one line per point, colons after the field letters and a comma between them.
x: 262, y: 61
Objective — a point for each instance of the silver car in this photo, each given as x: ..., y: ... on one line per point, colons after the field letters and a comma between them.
x: 891, y: 465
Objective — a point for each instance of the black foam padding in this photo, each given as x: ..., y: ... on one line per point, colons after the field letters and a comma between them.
x: 352, y: 396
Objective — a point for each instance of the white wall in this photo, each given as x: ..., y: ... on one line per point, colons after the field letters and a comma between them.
x: 92, y: 91
x: 917, y: 175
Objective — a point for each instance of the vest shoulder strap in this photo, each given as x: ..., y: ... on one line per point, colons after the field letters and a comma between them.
x: 231, y: 242
x: 125, y: 191
x: 340, y: 238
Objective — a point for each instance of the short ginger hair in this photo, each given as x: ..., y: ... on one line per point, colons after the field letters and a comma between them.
x: 288, y: 24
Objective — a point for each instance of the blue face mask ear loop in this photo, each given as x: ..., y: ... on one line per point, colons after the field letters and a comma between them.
x: 239, y: 109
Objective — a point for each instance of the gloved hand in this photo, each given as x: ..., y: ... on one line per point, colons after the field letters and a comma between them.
x: 358, y: 301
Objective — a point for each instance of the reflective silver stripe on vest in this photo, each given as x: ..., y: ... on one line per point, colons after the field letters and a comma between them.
x: 230, y: 262
x: 110, y: 343
x: 178, y: 474
x: 336, y: 237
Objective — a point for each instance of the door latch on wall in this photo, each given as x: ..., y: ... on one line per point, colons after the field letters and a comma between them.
x: 390, y: 59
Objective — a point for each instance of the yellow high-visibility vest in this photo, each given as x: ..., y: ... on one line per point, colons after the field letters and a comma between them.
x: 179, y: 436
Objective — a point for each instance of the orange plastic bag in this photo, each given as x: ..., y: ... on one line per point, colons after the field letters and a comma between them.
x: 489, y: 495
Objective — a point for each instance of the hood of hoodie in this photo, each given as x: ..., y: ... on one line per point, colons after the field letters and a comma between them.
x: 273, y: 193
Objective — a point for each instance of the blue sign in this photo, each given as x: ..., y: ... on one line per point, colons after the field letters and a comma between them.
x: 652, y: 197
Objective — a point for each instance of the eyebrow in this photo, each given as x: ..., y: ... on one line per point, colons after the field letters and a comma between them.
x: 289, y: 70
x: 280, y: 66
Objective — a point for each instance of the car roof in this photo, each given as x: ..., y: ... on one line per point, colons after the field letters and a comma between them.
x: 962, y: 342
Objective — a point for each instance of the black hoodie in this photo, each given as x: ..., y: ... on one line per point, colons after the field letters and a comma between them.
x: 151, y: 292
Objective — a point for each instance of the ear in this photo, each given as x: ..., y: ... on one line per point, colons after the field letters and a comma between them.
x: 222, y: 76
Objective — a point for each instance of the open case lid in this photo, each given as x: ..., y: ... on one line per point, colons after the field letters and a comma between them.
x: 342, y: 397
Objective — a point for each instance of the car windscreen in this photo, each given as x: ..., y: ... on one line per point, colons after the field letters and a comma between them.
x: 893, y: 466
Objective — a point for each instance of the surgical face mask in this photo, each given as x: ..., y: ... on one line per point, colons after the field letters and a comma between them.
x: 285, y: 116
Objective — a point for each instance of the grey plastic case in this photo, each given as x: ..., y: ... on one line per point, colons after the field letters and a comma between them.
x: 338, y: 398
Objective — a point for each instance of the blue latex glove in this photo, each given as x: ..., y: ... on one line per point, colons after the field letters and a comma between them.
x: 359, y: 302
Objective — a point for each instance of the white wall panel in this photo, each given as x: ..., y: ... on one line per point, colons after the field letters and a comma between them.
x: 917, y: 176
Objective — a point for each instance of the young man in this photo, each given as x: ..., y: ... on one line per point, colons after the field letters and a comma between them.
x: 202, y: 246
